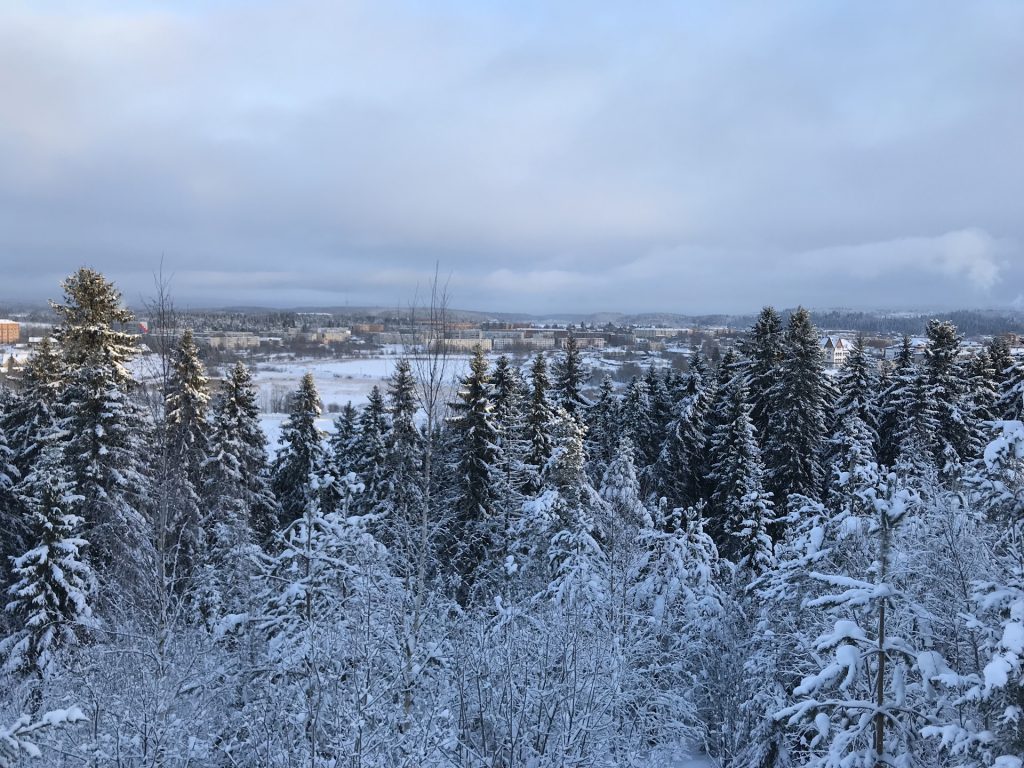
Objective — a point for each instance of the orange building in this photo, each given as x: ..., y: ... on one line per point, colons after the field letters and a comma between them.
x: 9, y: 331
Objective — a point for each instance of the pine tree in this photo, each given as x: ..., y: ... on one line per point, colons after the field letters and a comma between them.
x: 478, y: 520
x: 793, y: 449
x: 106, y: 433
x: 54, y: 587
x: 741, y: 511
x: 301, y: 453
x: 570, y: 377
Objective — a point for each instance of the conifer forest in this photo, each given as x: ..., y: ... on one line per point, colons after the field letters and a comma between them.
x: 752, y: 562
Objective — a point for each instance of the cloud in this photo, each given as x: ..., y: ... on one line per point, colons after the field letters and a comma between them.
x: 968, y: 253
x: 585, y: 156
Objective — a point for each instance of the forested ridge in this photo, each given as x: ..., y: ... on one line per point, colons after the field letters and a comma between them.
x: 774, y: 565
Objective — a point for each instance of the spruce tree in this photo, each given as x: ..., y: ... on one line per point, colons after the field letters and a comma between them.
x: 344, y: 441
x: 539, y: 420
x: 402, y: 495
x: 894, y: 401
x: 741, y: 510
x: 620, y: 490
x: 241, y: 512
x: 638, y: 425
x: 956, y: 439
x: 858, y: 389
x: 372, y: 453
x: 105, y: 432
x: 32, y: 418
x: 604, y: 429
x: 680, y: 474
x: 764, y: 353
x: 570, y: 377
x: 54, y: 586
x: 301, y: 452
x: 186, y: 433
x: 237, y: 468
x: 474, y: 536
x: 186, y: 406
x: 12, y: 521
x: 511, y: 397
x: 793, y: 449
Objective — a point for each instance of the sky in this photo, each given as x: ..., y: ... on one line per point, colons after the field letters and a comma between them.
x: 688, y: 157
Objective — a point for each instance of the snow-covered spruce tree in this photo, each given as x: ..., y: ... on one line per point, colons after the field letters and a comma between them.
x: 180, y: 483
x: 620, y: 490
x: 663, y: 406
x: 1001, y: 356
x: 238, y: 467
x: 639, y: 427
x: 330, y: 653
x: 371, y: 453
x: 474, y: 548
x: 570, y: 376
x: 559, y: 532
x: 344, y: 440
x: 603, y: 429
x: 402, y: 494
x: 793, y: 448
x: 186, y: 406
x: 511, y: 398
x: 956, y: 438
x: 680, y: 474
x: 301, y: 453
x: 868, y: 705
x: 241, y: 511
x: 54, y: 585
x: 982, y: 395
x: 764, y: 353
x: 741, y: 510
x: 539, y: 420
x: 730, y: 370
x: 106, y: 431
x: 31, y: 418
x: 674, y: 601
x: 858, y: 390
x: 1011, y: 391
x: 11, y: 518
x: 894, y: 400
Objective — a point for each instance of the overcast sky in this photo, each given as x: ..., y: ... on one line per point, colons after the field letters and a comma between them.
x: 678, y: 156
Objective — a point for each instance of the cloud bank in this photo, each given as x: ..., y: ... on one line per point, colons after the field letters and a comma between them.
x: 570, y: 157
